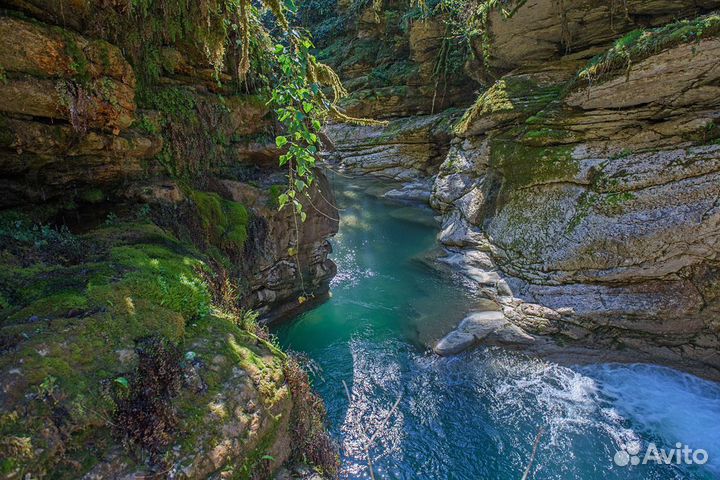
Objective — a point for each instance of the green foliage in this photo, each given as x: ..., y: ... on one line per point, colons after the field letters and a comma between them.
x: 224, y: 221
x: 248, y: 320
x: 298, y: 104
x: 466, y: 20
x: 57, y: 243
x: 275, y: 191
x: 640, y: 44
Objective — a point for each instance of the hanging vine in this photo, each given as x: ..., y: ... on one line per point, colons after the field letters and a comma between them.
x: 233, y: 39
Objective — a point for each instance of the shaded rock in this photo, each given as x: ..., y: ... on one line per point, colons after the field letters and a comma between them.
x: 414, y: 215
x: 549, y: 29
x: 407, y: 149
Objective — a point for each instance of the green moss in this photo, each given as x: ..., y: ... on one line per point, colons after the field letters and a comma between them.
x: 624, y: 153
x: 514, y: 96
x: 640, y: 44
x: 52, y: 306
x: 545, y: 136
x: 92, y: 195
x: 80, y: 64
x: 395, y: 73
x: 125, y: 291
x: 254, y: 459
x: 146, y: 125
x: 175, y: 102
x: 225, y: 221
x: 163, y: 277
x: 523, y: 165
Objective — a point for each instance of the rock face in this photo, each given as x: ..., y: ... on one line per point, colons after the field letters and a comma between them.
x: 139, y: 224
x: 407, y: 149
x: 64, y: 139
x: 389, y: 63
x: 583, y: 195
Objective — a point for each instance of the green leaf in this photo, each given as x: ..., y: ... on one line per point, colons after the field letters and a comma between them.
x: 307, y: 107
x: 282, y: 199
x: 122, y: 381
x: 280, y: 141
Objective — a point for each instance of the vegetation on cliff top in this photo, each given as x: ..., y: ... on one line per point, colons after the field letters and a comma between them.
x: 640, y: 44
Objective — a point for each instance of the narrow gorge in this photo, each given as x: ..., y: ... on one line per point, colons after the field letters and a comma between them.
x: 359, y: 239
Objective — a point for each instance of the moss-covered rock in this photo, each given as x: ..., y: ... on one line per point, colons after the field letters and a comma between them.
x: 225, y: 221
x: 640, y: 44
x: 523, y: 166
x: 69, y: 333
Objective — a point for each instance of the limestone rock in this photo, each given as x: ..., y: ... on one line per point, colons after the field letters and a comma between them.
x: 596, y: 202
x: 454, y: 342
x: 490, y: 326
x: 406, y: 149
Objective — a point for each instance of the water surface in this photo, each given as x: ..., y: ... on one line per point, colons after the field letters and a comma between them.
x: 477, y: 415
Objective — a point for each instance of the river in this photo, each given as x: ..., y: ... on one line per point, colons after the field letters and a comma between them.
x: 481, y: 414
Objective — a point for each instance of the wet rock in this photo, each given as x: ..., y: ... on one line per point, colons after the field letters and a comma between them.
x: 482, y: 327
x: 454, y: 342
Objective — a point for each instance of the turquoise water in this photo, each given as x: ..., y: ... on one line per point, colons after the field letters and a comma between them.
x: 477, y: 415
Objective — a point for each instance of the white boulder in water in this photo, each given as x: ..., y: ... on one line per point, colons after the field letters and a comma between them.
x: 490, y: 326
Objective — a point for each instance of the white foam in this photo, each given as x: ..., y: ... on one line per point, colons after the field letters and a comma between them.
x: 674, y: 406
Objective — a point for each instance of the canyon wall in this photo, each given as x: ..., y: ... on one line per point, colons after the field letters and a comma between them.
x: 580, y: 189
x: 396, y: 68
x: 139, y: 226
